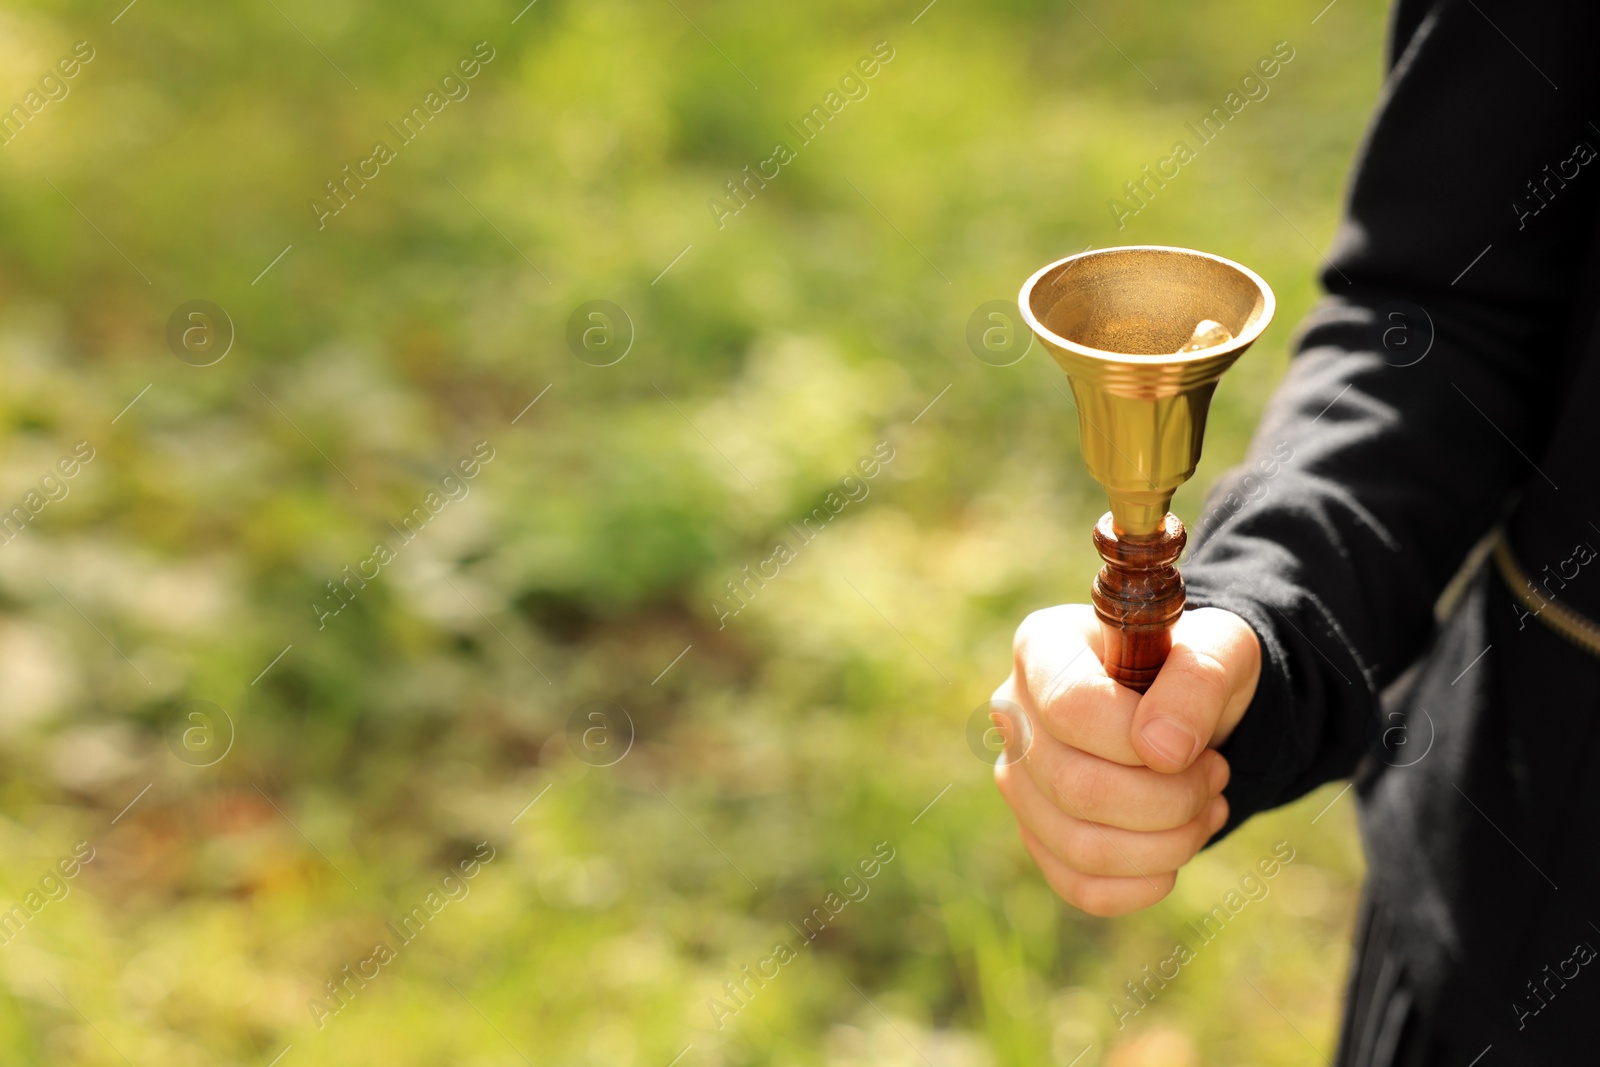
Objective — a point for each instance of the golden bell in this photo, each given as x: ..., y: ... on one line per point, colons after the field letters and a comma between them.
x: 1144, y: 333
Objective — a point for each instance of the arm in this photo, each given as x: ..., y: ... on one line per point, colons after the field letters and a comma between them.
x: 1399, y: 467
x: 1318, y: 592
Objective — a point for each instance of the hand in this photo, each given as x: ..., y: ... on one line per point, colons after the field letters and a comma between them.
x: 1117, y: 791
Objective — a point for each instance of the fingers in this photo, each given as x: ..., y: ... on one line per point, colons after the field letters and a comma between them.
x: 1113, y: 792
x: 1095, y: 894
x: 1200, y: 693
x: 1061, y: 684
x: 1093, y: 848
x: 1097, y: 790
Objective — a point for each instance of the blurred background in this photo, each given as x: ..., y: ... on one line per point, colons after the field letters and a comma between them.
x: 273, y: 740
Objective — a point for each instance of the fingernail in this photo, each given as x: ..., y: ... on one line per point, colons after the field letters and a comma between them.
x: 1219, y: 813
x: 1172, y: 741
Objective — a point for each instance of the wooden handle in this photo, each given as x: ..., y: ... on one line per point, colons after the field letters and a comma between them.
x: 1138, y: 595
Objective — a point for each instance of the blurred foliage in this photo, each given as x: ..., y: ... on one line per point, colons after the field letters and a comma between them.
x: 376, y: 752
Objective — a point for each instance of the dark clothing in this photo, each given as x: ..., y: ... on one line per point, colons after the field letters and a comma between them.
x: 1471, y: 733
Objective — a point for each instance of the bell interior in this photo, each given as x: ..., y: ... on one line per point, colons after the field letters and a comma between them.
x: 1144, y: 301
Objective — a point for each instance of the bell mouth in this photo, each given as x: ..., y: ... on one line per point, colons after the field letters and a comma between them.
x: 1141, y: 303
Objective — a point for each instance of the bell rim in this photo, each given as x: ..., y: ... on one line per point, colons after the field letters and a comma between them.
x: 1237, y: 345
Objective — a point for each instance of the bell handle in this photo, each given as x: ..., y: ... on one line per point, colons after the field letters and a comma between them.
x: 1138, y: 596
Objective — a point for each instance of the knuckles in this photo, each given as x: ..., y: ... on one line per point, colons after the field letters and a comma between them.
x: 1056, y: 685
x: 1089, y: 788
x: 1080, y: 696
x: 1026, y: 633
x: 1029, y: 633
x: 1045, y: 625
x: 1082, y: 784
x: 1088, y: 850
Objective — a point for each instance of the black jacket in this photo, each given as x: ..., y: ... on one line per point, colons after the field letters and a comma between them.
x: 1447, y: 387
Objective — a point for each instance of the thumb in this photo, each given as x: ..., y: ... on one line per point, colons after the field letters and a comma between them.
x: 1201, y: 691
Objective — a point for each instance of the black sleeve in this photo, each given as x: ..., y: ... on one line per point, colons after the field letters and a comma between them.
x: 1374, y: 471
